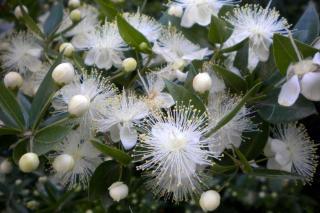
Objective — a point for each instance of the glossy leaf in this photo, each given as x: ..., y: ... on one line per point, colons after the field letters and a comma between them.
x: 235, y: 47
x: 19, y: 150
x: 245, y: 166
x: 192, y: 72
x: 218, y: 169
x: 219, y: 30
x: 54, y: 19
x: 30, y: 23
x: 9, y: 131
x: 269, y: 173
x: 107, y: 9
x: 51, y: 134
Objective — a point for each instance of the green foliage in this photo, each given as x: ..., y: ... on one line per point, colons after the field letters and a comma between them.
x: 54, y: 19
x: 219, y: 30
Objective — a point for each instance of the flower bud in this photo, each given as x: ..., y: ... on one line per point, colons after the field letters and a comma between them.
x: 63, y: 163
x: 67, y: 49
x: 74, y: 3
x: 75, y: 15
x: 78, y: 105
x: 29, y: 162
x: 5, y: 167
x: 13, y: 80
x: 175, y: 10
x: 32, y: 204
x: 202, y: 82
x: 63, y: 73
x: 18, y: 12
x: 209, y: 200
x: 143, y: 46
x: 310, y: 86
x: 118, y: 191
x: 129, y: 64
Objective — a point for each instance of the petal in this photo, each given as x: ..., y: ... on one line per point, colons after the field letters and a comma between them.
x: 267, y: 151
x: 103, y: 59
x: 203, y: 15
x: 272, y: 164
x: 32, y: 63
x: 277, y: 146
x: 181, y: 76
x: 187, y: 18
x: 90, y: 57
x: 316, y: 58
x: 114, y: 133
x: 128, y: 136
x: 81, y: 41
x: 289, y: 92
x: 197, y: 55
x: 310, y: 86
x: 164, y: 100
x: 283, y: 158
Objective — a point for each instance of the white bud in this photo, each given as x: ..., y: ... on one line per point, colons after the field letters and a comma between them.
x: 75, y: 15
x: 202, y: 82
x: 63, y: 163
x: 13, y: 80
x: 63, y: 73
x: 209, y: 200
x: 32, y: 204
x: 129, y: 64
x: 175, y: 10
x: 5, y: 167
x: 310, y: 86
x: 18, y: 12
x: 78, y: 105
x: 29, y: 162
x: 74, y: 3
x: 67, y: 49
x: 118, y: 191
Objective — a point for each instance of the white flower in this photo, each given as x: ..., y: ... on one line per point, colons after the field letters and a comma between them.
x: 170, y: 72
x: 86, y: 159
x: 23, y: 54
x: 292, y: 150
x: 92, y: 86
x: 259, y: 25
x: 302, y: 77
x: 153, y: 86
x: 149, y: 27
x: 104, y: 46
x: 231, y: 133
x: 178, y: 50
x: 173, y: 153
x: 200, y: 11
x: 119, y: 117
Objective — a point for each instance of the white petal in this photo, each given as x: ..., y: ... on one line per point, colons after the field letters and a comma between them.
x: 81, y: 41
x: 103, y: 60
x: 128, y: 136
x: 310, y: 86
x: 203, y: 15
x: 272, y: 164
x: 197, y: 55
x: 181, y: 76
x: 187, y: 18
x: 114, y: 133
x: 267, y: 151
x: 90, y: 57
x: 283, y: 158
x: 289, y: 92
x: 277, y: 146
x: 164, y: 100
x: 32, y: 63
x: 316, y: 58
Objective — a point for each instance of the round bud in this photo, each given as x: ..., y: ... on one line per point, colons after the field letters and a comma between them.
x: 74, y: 3
x: 175, y: 10
x: 129, y: 64
x: 18, y: 12
x: 13, y: 80
x: 67, y: 49
x: 209, y: 200
x: 32, y: 204
x: 29, y: 162
x: 118, y: 191
x: 202, y: 82
x: 5, y: 167
x: 143, y: 46
x: 75, y: 15
x: 78, y: 105
x: 63, y: 73
x: 63, y: 163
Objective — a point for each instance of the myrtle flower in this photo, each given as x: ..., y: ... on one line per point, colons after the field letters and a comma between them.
x: 231, y: 133
x: 200, y: 11
x: 302, y: 77
x: 149, y: 27
x: 85, y: 157
x: 120, y: 116
x: 177, y: 50
x: 104, y: 45
x: 97, y: 89
x: 172, y: 72
x: 292, y: 150
x: 22, y: 54
x: 259, y: 25
x: 173, y: 152
x: 156, y: 98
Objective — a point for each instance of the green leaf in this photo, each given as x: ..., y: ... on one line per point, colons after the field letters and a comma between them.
x: 51, y: 134
x: 192, y: 72
x: 271, y: 111
x: 308, y: 26
x: 115, y: 153
x: 19, y: 150
x: 235, y: 110
x: 255, y: 141
x: 132, y: 36
x: 42, y: 148
x: 235, y: 47
x: 9, y: 131
x: 54, y: 19
x: 31, y: 25
x: 284, y: 53
x: 182, y: 95
x: 43, y: 96
x: 221, y: 169
x: 269, y: 173
x: 25, y: 106
x: 105, y: 174
x: 241, y: 60
x: 10, y: 108
x: 232, y: 81
x: 107, y: 9
x: 219, y: 30
x: 245, y: 166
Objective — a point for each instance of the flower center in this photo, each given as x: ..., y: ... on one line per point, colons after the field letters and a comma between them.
x: 176, y: 142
